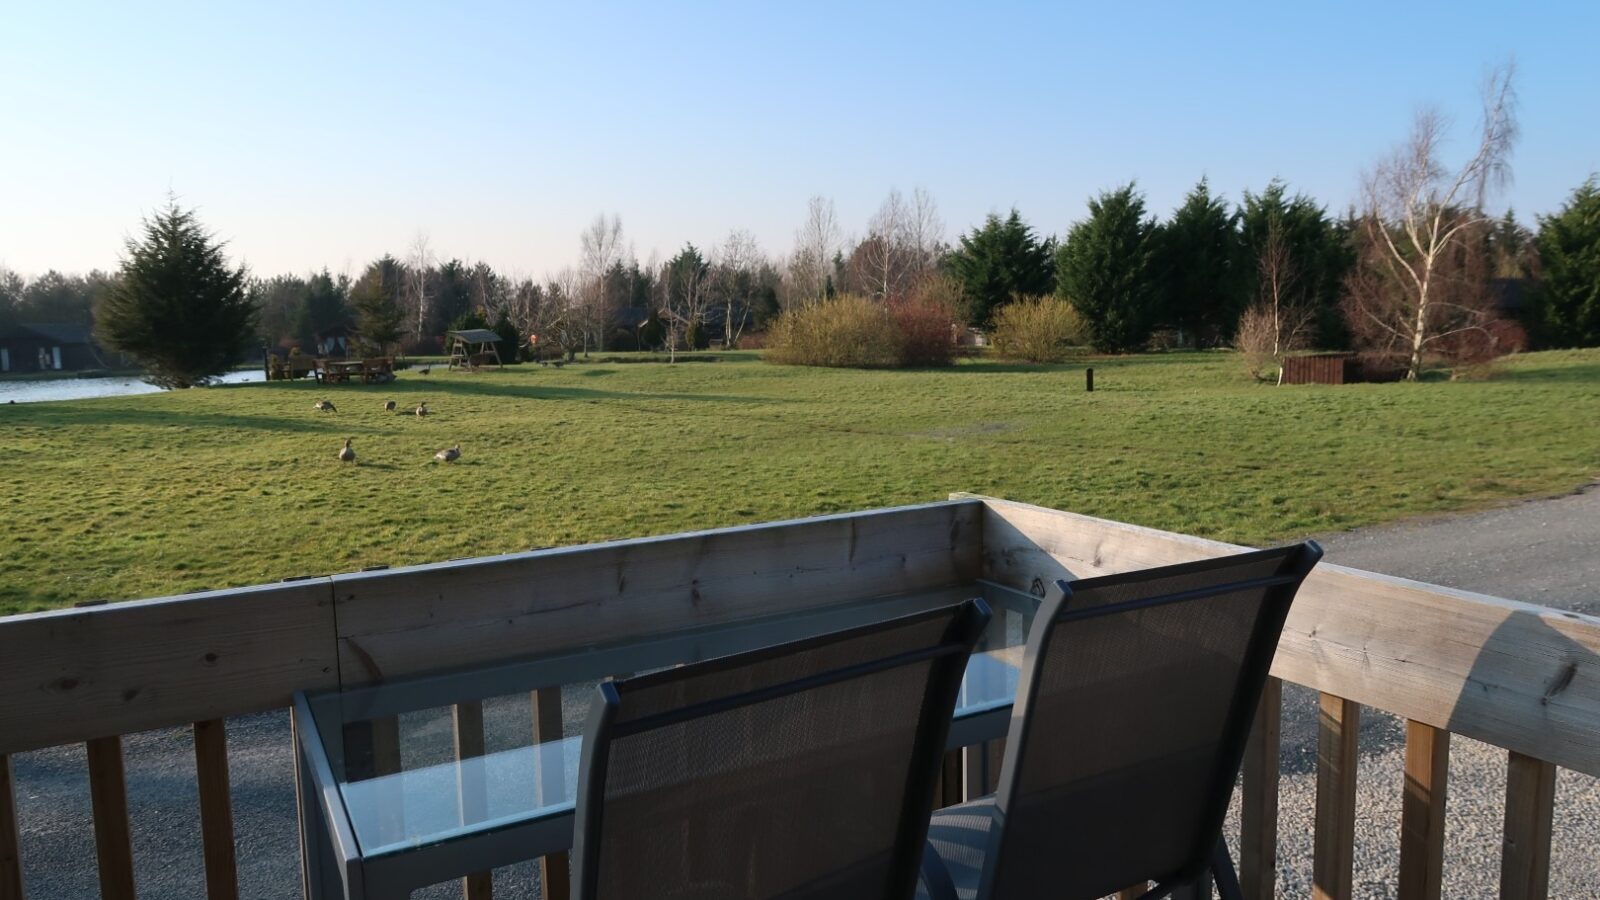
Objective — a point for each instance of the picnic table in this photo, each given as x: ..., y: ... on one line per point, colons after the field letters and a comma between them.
x: 378, y: 370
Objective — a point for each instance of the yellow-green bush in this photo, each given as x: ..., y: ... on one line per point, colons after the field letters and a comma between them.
x: 1037, y: 329
x: 844, y: 332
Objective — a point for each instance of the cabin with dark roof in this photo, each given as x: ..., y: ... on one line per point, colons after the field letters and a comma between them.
x: 48, y: 348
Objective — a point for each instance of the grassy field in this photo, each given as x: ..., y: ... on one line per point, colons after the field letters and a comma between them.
x: 149, y: 495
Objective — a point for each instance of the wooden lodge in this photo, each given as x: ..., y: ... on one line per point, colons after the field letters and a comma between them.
x: 48, y: 348
x: 1520, y: 677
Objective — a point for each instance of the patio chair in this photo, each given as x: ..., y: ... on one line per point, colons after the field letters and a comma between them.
x: 803, y: 770
x: 1135, y: 699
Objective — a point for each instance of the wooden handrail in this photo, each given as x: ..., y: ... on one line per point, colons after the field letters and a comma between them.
x: 1517, y: 676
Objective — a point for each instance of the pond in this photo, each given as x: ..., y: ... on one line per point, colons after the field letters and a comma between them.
x: 83, y: 388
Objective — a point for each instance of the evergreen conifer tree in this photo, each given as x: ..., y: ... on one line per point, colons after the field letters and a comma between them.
x: 998, y: 261
x: 1201, y: 259
x: 178, y: 308
x: 1108, y: 270
x: 1568, y: 302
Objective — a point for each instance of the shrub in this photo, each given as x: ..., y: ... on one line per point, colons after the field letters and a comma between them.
x: 926, y: 325
x: 845, y: 331
x: 1037, y: 329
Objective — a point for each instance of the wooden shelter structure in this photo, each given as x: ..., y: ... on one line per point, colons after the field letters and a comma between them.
x: 474, y: 347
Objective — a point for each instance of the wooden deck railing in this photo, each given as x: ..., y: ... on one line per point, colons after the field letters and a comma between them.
x: 1520, y: 677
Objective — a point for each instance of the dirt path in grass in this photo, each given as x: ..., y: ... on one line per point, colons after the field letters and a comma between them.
x: 1541, y: 551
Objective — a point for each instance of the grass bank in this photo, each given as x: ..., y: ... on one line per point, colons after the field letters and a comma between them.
x: 147, y: 495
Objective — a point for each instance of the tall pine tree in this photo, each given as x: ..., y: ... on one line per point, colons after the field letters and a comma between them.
x: 1200, y: 260
x: 1318, y: 247
x: 1568, y: 302
x: 998, y: 261
x: 1108, y: 270
x: 178, y: 308
x: 376, y: 297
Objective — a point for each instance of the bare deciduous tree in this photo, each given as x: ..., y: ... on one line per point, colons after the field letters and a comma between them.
x: 419, y: 265
x: 886, y: 254
x: 1282, y: 316
x: 734, y: 268
x: 601, y: 245
x: 1406, y: 294
x: 816, y: 244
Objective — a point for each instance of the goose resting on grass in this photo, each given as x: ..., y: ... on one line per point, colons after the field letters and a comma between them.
x: 449, y: 456
x: 388, y: 406
x: 422, y: 409
x: 325, y: 406
x: 348, y: 454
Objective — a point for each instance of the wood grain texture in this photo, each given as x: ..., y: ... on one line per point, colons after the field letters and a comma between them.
x: 1427, y: 770
x: 1333, y: 844
x: 472, y: 792
x: 216, y: 809
x: 403, y: 621
x: 1511, y: 674
x: 555, y: 877
x: 113, y: 840
x: 1530, y: 808
x: 1258, y: 798
x: 10, y: 848
x: 77, y: 674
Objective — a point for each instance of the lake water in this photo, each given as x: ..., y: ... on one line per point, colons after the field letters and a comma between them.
x: 83, y: 388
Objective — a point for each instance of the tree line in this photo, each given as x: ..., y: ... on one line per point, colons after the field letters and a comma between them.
x: 1416, y: 268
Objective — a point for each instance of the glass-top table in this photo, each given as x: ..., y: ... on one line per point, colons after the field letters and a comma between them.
x: 421, y: 780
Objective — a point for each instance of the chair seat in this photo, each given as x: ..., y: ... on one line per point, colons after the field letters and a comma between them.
x: 957, y: 839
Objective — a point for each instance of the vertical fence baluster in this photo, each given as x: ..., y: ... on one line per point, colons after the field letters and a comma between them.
x: 1422, y: 815
x: 108, y: 792
x: 1258, y: 798
x: 10, y: 851
x: 1333, y: 854
x: 554, y: 875
x: 1530, y: 808
x: 472, y: 791
x: 216, y: 809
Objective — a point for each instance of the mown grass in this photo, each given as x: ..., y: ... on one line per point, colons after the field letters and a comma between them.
x: 161, y: 494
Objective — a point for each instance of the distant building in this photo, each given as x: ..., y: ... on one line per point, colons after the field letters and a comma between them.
x: 48, y: 348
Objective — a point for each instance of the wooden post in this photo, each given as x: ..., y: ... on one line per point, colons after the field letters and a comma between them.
x: 108, y: 791
x: 554, y: 875
x: 1422, y: 813
x: 1258, y: 801
x: 1088, y: 380
x: 472, y: 792
x: 1333, y: 854
x: 216, y: 809
x: 10, y: 850
x: 1530, y: 806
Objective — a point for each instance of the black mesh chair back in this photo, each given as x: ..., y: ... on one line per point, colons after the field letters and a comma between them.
x: 796, y: 771
x: 1132, y: 711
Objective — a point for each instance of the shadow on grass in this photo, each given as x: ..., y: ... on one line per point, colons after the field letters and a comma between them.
x: 67, y: 414
x: 559, y: 392
x: 1585, y: 374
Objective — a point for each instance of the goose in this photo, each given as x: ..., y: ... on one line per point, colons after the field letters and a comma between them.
x: 388, y: 406
x: 449, y: 456
x: 325, y: 406
x: 348, y: 454
x: 426, y: 369
x: 422, y: 409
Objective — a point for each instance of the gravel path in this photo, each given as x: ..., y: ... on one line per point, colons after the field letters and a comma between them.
x: 1539, y: 551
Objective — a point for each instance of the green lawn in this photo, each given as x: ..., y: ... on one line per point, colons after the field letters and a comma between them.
x: 150, y: 495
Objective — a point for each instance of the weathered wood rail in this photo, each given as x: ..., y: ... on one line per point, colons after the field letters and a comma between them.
x: 1517, y: 676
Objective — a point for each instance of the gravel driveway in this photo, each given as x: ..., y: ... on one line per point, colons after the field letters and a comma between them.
x: 1538, y: 551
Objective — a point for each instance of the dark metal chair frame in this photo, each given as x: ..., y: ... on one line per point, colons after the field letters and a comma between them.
x: 966, y: 625
x: 1210, y: 854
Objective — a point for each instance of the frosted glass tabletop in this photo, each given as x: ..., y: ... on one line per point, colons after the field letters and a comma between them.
x: 416, y: 765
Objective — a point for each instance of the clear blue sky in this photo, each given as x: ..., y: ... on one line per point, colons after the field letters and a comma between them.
x: 323, y: 134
